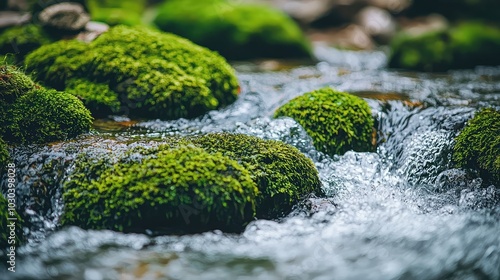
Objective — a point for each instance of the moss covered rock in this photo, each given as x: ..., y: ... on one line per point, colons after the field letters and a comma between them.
x: 183, y: 188
x: 21, y: 40
x: 5, y: 230
x: 115, y: 12
x: 336, y: 121
x: 45, y: 115
x: 138, y: 72
x: 463, y: 46
x: 31, y: 114
x: 282, y: 174
x: 478, y: 145
x: 235, y: 30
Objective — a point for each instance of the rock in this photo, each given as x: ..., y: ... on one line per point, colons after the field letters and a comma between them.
x: 305, y: 11
x: 92, y: 30
x: 64, y: 16
x: 8, y: 19
x: 394, y: 6
x: 377, y: 22
x: 33, y: 114
x: 179, y: 189
x: 477, y: 145
x: 267, y: 161
x: 249, y: 30
x: 336, y: 121
x: 184, y: 185
x: 138, y: 72
x: 420, y: 25
x: 349, y: 37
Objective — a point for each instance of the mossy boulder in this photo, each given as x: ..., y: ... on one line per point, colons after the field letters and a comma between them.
x: 478, y: 145
x: 116, y: 12
x: 336, y: 121
x: 30, y: 113
x: 464, y: 46
x: 282, y: 174
x: 177, y: 189
x: 5, y: 230
x: 138, y: 72
x: 237, y: 31
x: 21, y: 40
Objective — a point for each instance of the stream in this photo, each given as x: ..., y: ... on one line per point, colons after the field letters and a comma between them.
x: 402, y: 212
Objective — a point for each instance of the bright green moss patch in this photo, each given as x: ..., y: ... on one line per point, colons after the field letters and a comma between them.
x: 46, y: 115
x: 235, y: 30
x: 5, y: 230
x: 138, y: 72
x: 21, y: 40
x: 464, y: 46
x: 478, y: 145
x: 282, y: 174
x: 336, y: 121
x: 183, y: 188
x: 115, y: 12
x: 31, y: 114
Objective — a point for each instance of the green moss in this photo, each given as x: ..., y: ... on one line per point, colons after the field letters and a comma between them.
x: 21, y: 40
x: 150, y: 74
x: 46, y: 115
x: 4, y: 156
x: 478, y: 145
x: 235, y: 30
x: 13, y: 83
x: 463, y: 46
x: 115, y: 12
x: 5, y: 214
x: 336, y: 121
x: 282, y: 174
x: 182, y: 188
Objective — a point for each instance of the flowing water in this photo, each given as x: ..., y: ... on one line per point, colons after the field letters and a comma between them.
x: 403, y: 212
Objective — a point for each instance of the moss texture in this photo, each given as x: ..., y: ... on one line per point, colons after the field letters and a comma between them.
x: 336, y: 121
x: 5, y: 214
x: 21, y: 40
x: 115, y: 12
x: 463, y: 46
x: 31, y: 114
x: 138, y: 72
x: 478, y: 145
x: 4, y: 156
x: 282, y: 174
x: 184, y: 187
x: 235, y: 30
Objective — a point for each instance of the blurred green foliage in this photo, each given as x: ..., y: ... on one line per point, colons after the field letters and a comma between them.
x: 463, y: 46
x: 235, y: 30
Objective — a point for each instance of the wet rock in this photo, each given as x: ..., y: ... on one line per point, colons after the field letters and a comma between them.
x: 92, y: 30
x: 421, y: 25
x: 64, y: 16
x: 394, y: 6
x: 305, y: 11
